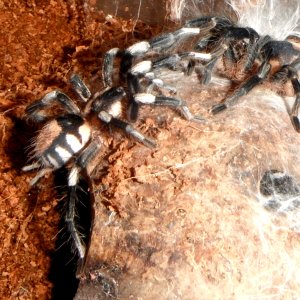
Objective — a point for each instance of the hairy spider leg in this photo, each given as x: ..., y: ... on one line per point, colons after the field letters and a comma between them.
x: 159, y: 44
x: 145, y: 70
x: 108, y: 107
x: 243, y: 89
x: 269, y: 49
x: 255, y: 50
x: 34, y: 111
x: 242, y: 33
x: 108, y: 66
x: 80, y: 87
x: 109, y: 119
x: 222, y: 38
x: 160, y: 100
x: 142, y: 70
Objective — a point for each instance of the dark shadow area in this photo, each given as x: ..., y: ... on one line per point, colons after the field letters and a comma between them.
x: 65, y: 260
x: 21, y: 135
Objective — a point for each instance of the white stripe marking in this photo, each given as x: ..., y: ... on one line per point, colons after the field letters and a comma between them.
x: 73, y: 177
x: 144, y: 98
x: 52, y: 161
x: 138, y: 48
x: 63, y: 153
x: 85, y: 133
x: 187, y: 31
x: 142, y: 67
x: 115, y: 109
x: 73, y: 142
x: 204, y: 56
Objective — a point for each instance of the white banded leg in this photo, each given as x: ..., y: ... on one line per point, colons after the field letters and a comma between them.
x: 144, y: 98
x: 136, y: 50
x: 80, y: 87
x: 108, y: 65
x: 168, y: 40
x: 34, y: 110
x: 158, y: 83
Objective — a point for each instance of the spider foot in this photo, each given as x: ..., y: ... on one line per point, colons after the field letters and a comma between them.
x: 218, y: 108
x: 189, y: 116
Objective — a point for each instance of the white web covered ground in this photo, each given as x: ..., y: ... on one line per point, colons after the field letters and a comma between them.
x: 194, y: 223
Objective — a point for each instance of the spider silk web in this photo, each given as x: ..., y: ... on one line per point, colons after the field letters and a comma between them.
x: 241, y: 145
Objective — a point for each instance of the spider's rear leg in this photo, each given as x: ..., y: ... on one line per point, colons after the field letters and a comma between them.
x: 243, y: 89
x: 160, y: 100
x: 73, y: 180
x: 35, y: 110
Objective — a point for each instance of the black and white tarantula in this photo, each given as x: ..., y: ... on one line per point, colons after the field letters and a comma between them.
x: 73, y: 139
x: 197, y: 46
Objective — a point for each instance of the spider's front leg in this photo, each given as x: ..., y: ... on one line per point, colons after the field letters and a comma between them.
x: 224, y: 40
x: 108, y: 107
x: 291, y: 72
x: 35, y: 110
x: 80, y: 87
x: 243, y: 89
x: 129, y: 129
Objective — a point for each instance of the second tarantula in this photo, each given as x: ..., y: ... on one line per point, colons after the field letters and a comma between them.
x: 244, y: 43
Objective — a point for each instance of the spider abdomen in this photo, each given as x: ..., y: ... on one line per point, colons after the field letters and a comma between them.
x: 60, y: 139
